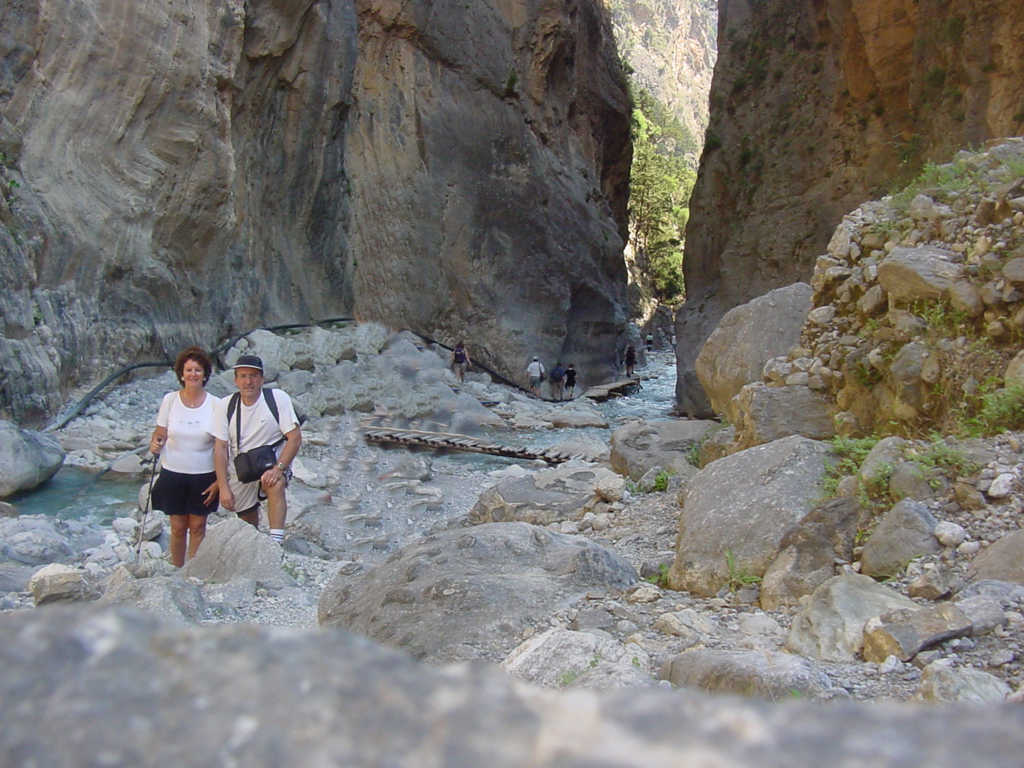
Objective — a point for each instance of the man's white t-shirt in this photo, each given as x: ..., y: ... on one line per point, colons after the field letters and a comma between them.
x: 258, y: 425
x: 189, y: 446
x: 535, y: 369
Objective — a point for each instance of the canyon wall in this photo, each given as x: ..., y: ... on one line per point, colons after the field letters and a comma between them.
x: 816, y: 107
x: 176, y: 171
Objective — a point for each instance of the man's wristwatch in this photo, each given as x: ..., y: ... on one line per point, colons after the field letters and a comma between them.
x: 282, y: 467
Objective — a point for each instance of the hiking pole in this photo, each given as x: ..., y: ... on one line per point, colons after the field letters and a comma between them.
x: 145, y: 509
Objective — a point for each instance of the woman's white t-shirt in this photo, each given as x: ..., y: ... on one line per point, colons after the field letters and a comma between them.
x: 189, y: 446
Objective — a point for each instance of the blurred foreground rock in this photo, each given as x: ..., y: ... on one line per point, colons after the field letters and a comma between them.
x: 272, y: 697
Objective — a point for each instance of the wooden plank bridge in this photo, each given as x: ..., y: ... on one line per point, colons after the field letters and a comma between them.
x: 454, y: 442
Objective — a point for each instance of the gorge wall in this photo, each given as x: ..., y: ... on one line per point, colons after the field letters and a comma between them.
x: 176, y: 171
x: 817, y: 106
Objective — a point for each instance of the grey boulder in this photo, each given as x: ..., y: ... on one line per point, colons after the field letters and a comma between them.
x: 471, y: 593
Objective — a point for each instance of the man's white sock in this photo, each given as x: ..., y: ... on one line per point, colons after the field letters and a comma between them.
x: 277, y: 534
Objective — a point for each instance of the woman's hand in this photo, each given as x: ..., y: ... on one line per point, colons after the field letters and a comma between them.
x: 212, y: 492
x: 156, y: 442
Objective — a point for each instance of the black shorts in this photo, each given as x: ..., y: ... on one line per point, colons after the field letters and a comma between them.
x: 176, y: 493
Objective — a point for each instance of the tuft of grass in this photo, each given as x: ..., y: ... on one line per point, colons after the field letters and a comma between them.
x: 941, y: 316
x: 660, y: 579
x: 940, y: 455
x: 661, y: 481
x: 738, y: 577
x: 851, y: 452
x: 1001, y: 410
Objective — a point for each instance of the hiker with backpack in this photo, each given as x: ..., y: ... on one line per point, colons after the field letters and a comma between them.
x: 557, y: 377
x: 570, y: 381
x: 460, y: 361
x: 257, y: 438
x: 186, y: 490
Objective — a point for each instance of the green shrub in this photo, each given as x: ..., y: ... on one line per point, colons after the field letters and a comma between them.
x: 661, y: 481
x: 1001, y: 410
x: 738, y: 577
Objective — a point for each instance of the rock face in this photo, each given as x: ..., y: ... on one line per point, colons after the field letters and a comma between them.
x: 458, y: 171
x: 352, y: 703
x: 816, y: 106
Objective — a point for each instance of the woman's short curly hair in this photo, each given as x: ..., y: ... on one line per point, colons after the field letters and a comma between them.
x: 197, y: 354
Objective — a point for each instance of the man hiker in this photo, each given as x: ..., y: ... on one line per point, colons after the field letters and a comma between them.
x: 535, y: 370
x: 246, y: 421
x: 557, y: 377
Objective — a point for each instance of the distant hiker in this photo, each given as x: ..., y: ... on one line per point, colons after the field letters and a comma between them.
x: 535, y: 370
x: 557, y: 378
x: 186, y: 490
x: 570, y: 381
x: 650, y: 342
x: 245, y: 423
x: 630, y: 360
x: 460, y: 360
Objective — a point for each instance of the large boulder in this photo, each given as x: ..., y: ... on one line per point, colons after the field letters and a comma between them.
x: 924, y: 272
x: 1002, y: 561
x: 27, y: 458
x: 471, y: 593
x: 808, y: 553
x: 170, y: 597
x: 672, y: 445
x: 547, y: 496
x: 562, y: 658
x: 738, y: 509
x: 906, y: 531
x: 764, y: 413
x: 33, y: 540
x: 58, y: 582
x: 766, y: 674
x: 234, y: 549
x: 747, y: 337
x: 830, y: 626
x: 942, y: 682
x: 351, y: 702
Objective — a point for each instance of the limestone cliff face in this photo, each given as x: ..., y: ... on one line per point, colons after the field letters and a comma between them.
x: 185, y: 169
x: 818, y: 106
x: 489, y: 159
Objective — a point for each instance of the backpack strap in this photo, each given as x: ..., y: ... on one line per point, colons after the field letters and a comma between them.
x: 271, y: 404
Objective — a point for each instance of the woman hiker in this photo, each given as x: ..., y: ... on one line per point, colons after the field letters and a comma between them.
x: 186, y: 490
